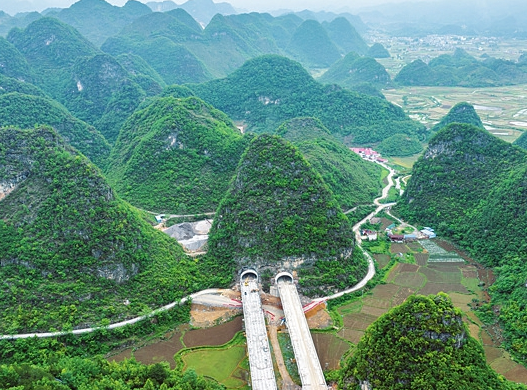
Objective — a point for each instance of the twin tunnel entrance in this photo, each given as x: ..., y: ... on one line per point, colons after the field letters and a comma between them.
x: 307, y: 361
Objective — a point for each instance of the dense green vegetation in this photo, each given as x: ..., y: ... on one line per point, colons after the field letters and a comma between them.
x: 25, y: 111
x: 469, y: 186
x: 269, y: 90
x: 278, y: 209
x: 461, y: 113
x: 461, y: 69
x: 522, y: 141
x: 176, y: 155
x: 377, y: 50
x: 71, y: 251
x: 399, y: 145
x: 421, y: 344
x: 181, y: 51
x: 352, y: 180
x: 99, y: 374
x: 472, y: 188
x: 13, y: 63
x: 93, y: 86
x: 310, y: 44
x: 354, y: 69
x: 345, y: 36
x: 98, y: 20
x: 51, y: 48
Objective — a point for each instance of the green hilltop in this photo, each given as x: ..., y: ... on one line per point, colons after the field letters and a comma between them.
x: 71, y: 249
x: 13, y: 63
x: 268, y: 90
x: 175, y: 155
x: 463, y: 70
x: 354, y: 69
x: 461, y: 113
x: 344, y: 35
x: 98, y: 20
x: 352, y: 180
x: 278, y: 213
x: 421, y: 344
x: 26, y: 111
x: 310, y: 44
x: 92, y: 85
x: 472, y: 188
x: 457, y: 186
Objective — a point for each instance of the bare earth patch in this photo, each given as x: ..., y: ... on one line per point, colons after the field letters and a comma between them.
x: 421, y: 259
x: 399, y: 248
x: 329, y: 350
x: 359, y: 321
x: 409, y: 268
x: 402, y: 295
x: 385, y: 291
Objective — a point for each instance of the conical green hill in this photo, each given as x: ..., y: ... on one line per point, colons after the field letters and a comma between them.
x: 279, y: 214
x: 462, y: 113
x: 421, y: 344
x: 71, y: 251
x: 12, y: 62
x: 311, y: 45
x: 353, y: 69
x: 341, y: 31
x: 176, y: 155
x: 352, y: 180
x: 470, y: 186
x: 26, y: 111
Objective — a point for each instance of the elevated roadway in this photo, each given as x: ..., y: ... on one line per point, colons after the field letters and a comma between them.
x: 260, y: 361
x: 306, y: 356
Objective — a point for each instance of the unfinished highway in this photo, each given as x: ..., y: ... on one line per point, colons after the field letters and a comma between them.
x: 306, y: 356
x: 260, y: 361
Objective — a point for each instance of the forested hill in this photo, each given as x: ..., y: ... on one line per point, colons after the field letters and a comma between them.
x: 421, y: 344
x: 181, y: 51
x: 71, y: 249
x: 461, y: 113
x: 352, y: 180
x: 176, y: 155
x: 471, y: 187
x: 279, y: 213
x: 92, y: 85
x: 26, y: 111
x: 463, y: 70
x: 271, y: 89
x: 354, y: 69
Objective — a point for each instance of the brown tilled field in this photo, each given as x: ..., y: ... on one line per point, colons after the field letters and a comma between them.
x: 421, y: 259
x: 407, y: 279
x: 219, y: 335
x: 399, y: 248
x: 351, y: 335
x: 373, y: 311
x: 359, y: 321
x: 385, y: 291
x: 441, y: 277
x: 329, y: 348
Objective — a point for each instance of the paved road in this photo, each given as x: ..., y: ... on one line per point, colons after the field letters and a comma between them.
x: 306, y: 356
x: 362, y: 283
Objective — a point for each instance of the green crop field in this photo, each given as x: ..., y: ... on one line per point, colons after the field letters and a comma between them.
x: 223, y: 364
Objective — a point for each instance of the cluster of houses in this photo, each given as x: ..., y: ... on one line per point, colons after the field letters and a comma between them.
x: 369, y: 154
x: 425, y: 233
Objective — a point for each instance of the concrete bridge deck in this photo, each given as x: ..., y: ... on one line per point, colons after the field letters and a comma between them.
x: 309, y: 368
x: 260, y: 360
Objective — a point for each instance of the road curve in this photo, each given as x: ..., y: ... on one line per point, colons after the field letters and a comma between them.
x: 361, y: 284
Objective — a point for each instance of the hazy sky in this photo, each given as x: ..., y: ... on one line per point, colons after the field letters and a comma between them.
x: 13, y: 6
